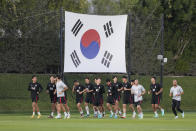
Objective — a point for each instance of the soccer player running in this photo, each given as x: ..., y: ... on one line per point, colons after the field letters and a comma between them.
x: 117, y: 95
x: 98, y: 95
x: 35, y: 88
x: 176, y: 91
x: 110, y: 97
x: 78, y: 90
x: 127, y: 97
x: 61, y: 87
x: 89, y: 95
x: 51, y: 87
x: 138, y: 91
x: 156, y: 91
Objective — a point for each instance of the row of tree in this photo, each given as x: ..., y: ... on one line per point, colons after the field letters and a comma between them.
x: 29, y: 33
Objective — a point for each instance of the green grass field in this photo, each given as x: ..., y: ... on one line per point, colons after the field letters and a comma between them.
x: 18, y: 122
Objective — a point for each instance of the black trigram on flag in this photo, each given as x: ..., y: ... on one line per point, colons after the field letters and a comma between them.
x: 76, y: 28
x: 75, y: 59
x: 108, y: 29
x: 107, y: 58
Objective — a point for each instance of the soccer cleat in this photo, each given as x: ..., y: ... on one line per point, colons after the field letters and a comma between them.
x: 176, y: 117
x: 50, y: 116
x: 32, y: 116
x: 87, y: 115
x: 39, y: 116
x: 162, y: 112
x: 111, y: 115
x: 115, y: 116
x: 123, y: 116
x: 156, y: 115
x: 99, y: 116
x: 81, y: 115
x: 68, y: 116
x: 58, y: 117
x: 182, y: 114
x: 134, y: 115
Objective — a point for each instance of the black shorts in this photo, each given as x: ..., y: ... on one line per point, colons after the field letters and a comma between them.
x: 79, y: 100
x: 98, y: 101
x: 35, y: 98
x: 117, y: 98
x: 53, y: 99
x: 155, y: 99
x: 138, y: 103
x: 89, y: 99
x: 111, y: 100
x: 175, y: 103
x: 128, y: 99
x: 61, y: 100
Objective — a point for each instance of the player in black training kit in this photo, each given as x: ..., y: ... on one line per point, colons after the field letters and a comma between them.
x: 98, y: 95
x: 51, y: 87
x: 127, y: 97
x: 110, y: 97
x: 156, y: 91
x: 78, y: 90
x: 35, y: 89
x: 89, y: 95
x: 117, y: 95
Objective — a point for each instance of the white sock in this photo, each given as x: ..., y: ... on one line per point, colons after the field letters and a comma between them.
x: 99, y: 112
x: 111, y: 112
x: 38, y: 113
x: 134, y: 112
x: 95, y: 113
x: 87, y: 109
x: 81, y: 112
x: 104, y: 112
x: 155, y: 112
x: 68, y: 113
x: 33, y: 113
x: 119, y: 112
x: 59, y: 114
x: 52, y: 113
x: 124, y: 114
x: 65, y: 113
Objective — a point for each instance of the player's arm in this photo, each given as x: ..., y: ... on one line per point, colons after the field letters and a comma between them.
x: 83, y: 90
x: 91, y: 89
x: 160, y: 91
x: 40, y: 88
x: 181, y: 92
x: 73, y: 89
x: 143, y: 91
x: 171, y: 91
x: 149, y: 91
x: 55, y: 91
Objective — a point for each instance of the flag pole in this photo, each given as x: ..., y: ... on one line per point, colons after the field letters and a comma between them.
x: 162, y: 50
x: 129, y: 47
x: 61, y: 43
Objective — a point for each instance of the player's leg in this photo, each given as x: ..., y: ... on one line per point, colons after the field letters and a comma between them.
x: 58, y: 107
x: 159, y: 107
x: 37, y: 107
x: 174, y: 108
x: 156, y: 106
x: 87, y: 100
x: 33, y: 107
x: 100, y: 114
x: 133, y: 110
x: 139, y: 109
x: 124, y: 110
x: 109, y: 109
x: 80, y: 109
x: 179, y: 109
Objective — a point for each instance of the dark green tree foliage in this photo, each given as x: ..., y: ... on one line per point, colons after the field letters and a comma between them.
x: 29, y: 34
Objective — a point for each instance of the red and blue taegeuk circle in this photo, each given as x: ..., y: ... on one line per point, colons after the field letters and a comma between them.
x: 90, y: 44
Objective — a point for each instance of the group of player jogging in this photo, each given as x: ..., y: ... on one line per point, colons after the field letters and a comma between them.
x: 131, y: 93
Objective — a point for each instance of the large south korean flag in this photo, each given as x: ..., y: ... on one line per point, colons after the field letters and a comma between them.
x: 94, y: 43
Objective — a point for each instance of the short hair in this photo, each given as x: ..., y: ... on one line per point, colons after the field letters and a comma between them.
x: 154, y: 77
x: 98, y: 78
x: 114, y: 77
x: 33, y: 76
x: 51, y: 76
x: 58, y: 76
x: 108, y: 80
x: 75, y: 81
x: 133, y: 80
x: 86, y: 78
x: 125, y: 77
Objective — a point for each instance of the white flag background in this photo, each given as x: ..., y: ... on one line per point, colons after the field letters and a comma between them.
x: 94, y: 43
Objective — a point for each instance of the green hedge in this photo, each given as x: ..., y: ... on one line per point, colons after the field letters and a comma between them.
x: 14, y: 96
